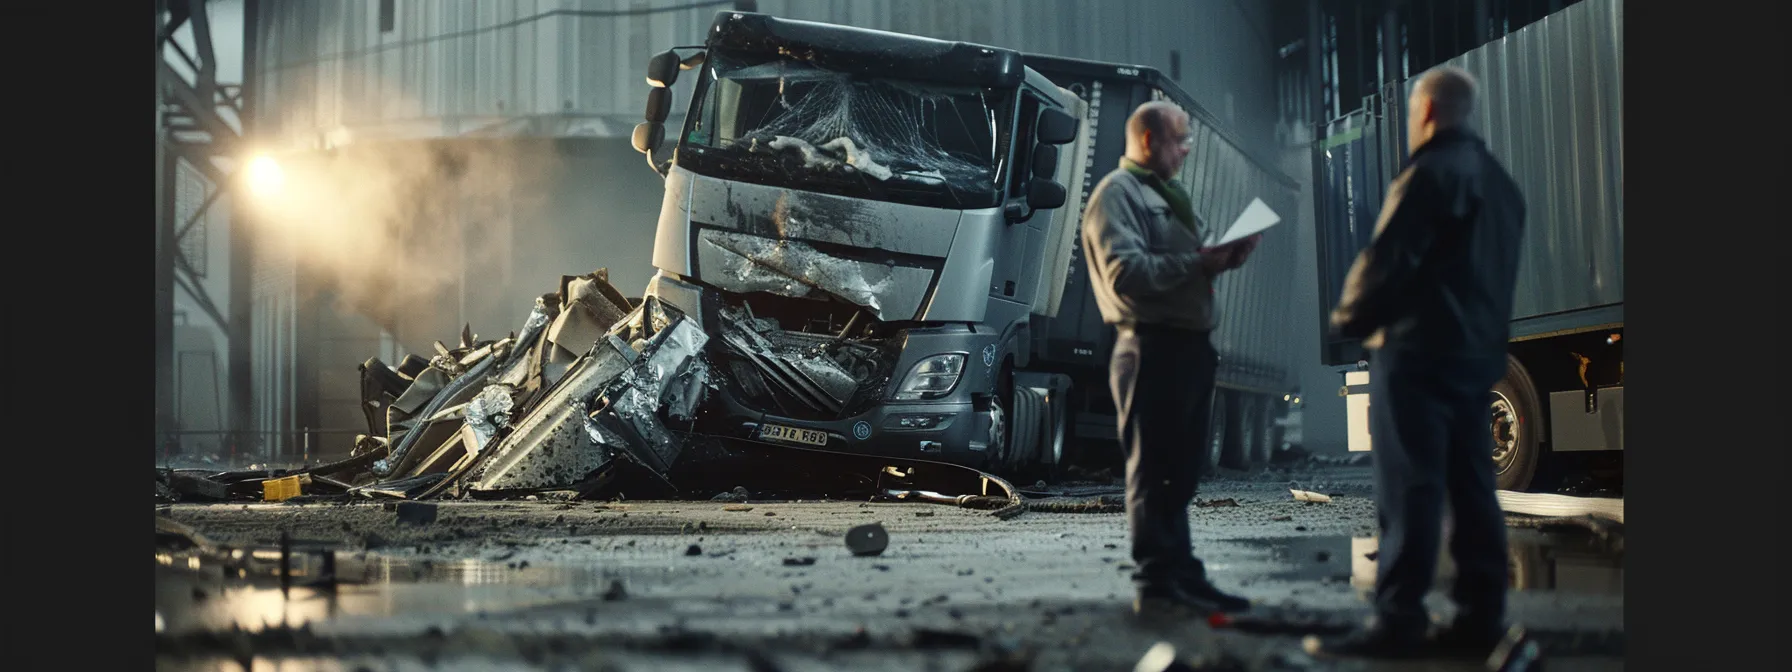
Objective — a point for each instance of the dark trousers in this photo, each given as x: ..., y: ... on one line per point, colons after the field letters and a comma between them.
x: 1428, y: 425
x: 1162, y: 379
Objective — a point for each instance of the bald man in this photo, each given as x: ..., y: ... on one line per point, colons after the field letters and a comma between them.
x: 1431, y: 296
x: 1153, y: 279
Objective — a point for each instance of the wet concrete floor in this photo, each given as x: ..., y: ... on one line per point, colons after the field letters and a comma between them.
x: 569, y: 593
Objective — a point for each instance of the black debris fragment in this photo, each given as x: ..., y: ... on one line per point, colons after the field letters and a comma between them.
x: 693, y: 550
x: 616, y: 592
x: 927, y: 638
x: 799, y: 562
x: 867, y: 540
x: 416, y: 513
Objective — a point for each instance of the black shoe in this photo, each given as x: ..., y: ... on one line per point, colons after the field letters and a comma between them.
x: 1466, y: 641
x: 1371, y: 642
x: 1169, y: 603
x: 1202, y: 589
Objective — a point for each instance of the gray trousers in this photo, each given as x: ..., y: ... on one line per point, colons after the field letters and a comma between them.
x: 1162, y: 379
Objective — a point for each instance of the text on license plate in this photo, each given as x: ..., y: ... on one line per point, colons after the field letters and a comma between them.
x: 812, y: 437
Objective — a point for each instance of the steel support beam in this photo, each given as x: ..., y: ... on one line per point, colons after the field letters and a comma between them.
x: 1317, y: 83
x: 197, y: 291
x: 241, y: 384
x: 199, y: 214
x: 1392, y: 80
x: 164, y: 271
x: 200, y: 106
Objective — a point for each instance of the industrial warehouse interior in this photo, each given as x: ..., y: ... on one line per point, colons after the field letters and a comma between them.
x: 907, y: 335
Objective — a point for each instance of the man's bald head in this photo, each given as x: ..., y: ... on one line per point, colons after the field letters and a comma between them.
x: 1156, y: 137
x: 1444, y: 97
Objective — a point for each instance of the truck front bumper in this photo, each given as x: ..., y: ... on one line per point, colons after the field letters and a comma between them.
x: 945, y: 432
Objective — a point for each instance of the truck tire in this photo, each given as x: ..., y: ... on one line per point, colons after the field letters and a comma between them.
x: 1515, y: 422
x: 1024, y: 430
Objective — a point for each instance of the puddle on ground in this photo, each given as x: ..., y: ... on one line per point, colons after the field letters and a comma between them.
x: 194, y: 594
x: 1563, y: 562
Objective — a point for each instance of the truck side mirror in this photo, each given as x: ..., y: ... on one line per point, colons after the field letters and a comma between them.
x: 648, y: 136
x: 1056, y: 127
x: 659, y: 105
x: 1045, y: 161
x: 1043, y: 194
x: 662, y: 69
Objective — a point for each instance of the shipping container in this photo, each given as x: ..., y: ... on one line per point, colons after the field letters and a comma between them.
x: 1550, y: 109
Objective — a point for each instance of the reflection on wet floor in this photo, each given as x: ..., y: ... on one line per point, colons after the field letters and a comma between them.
x: 194, y: 594
x: 1563, y: 562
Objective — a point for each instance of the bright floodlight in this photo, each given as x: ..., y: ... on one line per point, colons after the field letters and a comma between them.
x: 265, y: 176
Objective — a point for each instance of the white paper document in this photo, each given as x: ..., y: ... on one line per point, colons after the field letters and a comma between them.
x: 1257, y: 217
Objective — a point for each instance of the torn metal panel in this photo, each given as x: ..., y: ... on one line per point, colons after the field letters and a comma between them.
x: 447, y: 454
x: 578, y: 328
x: 598, y: 295
x: 404, y: 488
x: 745, y: 263
x: 630, y: 408
x: 684, y: 296
x: 457, y: 391
x: 822, y: 373
x: 489, y: 413
x: 381, y: 385
x: 427, y: 385
x: 549, y: 447
x: 686, y: 392
x: 780, y: 213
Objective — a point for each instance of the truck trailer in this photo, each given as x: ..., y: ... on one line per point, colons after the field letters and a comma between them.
x: 1551, y: 110
x: 880, y: 232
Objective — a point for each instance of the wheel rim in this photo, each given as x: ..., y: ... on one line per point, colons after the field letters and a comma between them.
x: 1506, y: 428
x: 998, y: 427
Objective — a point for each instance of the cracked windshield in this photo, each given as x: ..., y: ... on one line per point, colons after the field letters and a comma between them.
x: 860, y: 136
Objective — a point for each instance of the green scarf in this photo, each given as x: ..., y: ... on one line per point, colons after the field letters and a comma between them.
x: 1173, y: 193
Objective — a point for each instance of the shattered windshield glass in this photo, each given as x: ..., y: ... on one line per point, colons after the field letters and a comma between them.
x: 778, y: 120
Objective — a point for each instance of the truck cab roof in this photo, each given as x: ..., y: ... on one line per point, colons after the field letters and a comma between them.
x: 873, y: 52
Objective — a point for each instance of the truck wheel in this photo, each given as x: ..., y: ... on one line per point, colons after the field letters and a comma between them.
x: 1057, y: 430
x: 1023, y: 442
x: 1516, y: 425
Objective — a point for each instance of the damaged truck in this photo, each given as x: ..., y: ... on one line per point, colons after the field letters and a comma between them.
x: 869, y: 283
x: 879, y: 233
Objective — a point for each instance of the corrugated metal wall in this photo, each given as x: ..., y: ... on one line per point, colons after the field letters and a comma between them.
x: 1551, y: 109
x: 1258, y: 318
x: 449, y: 67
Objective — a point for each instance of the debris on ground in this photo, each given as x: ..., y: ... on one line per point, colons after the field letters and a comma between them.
x: 596, y: 398
x: 1517, y: 652
x: 867, y: 540
x: 416, y: 513
x: 1309, y: 496
x: 1217, y: 502
x: 738, y: 495
x: 1164, y: 657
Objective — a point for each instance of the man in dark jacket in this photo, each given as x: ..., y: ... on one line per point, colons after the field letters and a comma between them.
x: 1432, y: 296
x: 1153, y: 280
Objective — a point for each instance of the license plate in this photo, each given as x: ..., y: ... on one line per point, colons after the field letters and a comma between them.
x: 813, y: 437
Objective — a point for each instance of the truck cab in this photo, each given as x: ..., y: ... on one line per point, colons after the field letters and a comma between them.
x: 864, y: 223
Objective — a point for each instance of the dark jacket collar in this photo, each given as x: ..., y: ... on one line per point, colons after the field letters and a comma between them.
x: 1446, y: 138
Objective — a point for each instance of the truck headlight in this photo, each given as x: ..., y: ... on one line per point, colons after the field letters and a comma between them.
x: 931, y: 378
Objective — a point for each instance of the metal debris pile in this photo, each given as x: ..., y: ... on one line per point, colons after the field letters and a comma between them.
x: 596, y: 394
